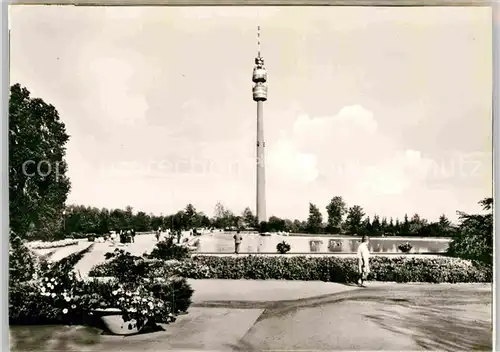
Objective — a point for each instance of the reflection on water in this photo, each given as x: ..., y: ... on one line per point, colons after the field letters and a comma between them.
x: 253, y: 243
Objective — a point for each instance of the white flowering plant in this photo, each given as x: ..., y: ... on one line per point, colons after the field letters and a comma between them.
x: 52, y: 244
x: 61, y: 292
x: 141, y: 303
x: 54, y: 293
x: 144, y: 301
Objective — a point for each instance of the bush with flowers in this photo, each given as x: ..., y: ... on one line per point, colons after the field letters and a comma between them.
x: 54, y: 293
x: 139, y: 302
x: 51, y: 298
x: 140, y: 299
x: 39, y: 291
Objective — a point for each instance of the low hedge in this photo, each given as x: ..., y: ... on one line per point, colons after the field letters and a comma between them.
x: 328, y: 268
x: 68, y: 263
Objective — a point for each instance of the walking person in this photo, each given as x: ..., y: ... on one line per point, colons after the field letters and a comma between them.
x: 237, y: 242
x: 113, y: 237
x: 363, y: 260
x: 157, y: 235
x: 132, y: 234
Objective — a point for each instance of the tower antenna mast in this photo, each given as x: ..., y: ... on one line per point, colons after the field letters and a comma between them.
x: 258, y: 41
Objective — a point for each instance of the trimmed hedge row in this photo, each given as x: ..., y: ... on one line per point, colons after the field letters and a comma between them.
x: 328, y: 268
x: 68, y: 263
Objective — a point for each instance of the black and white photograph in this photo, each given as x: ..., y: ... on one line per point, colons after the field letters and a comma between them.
x: 250, y: 178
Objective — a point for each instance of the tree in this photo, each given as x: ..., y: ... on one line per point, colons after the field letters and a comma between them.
x: 315, y: 219
x: 191, y: 219
x: 354, y: 217
x: 223, y: 218
x: 237, y: 221
x: 204, y: 220
x: 444, y: 226
x: 219, y: 210
x: 128, y: 216
x: 474, y: 237
x: 391, y: 228
x: 417, y: 225
x: 336, y: 209
x: 38, y: 185
x: 366, y: 227
x: 156, y: 222
x: 405, y: 227
x: 276, y: 224
x: 141, y: 221
x: 397, y: 228
x: 290, y: 226
x: 384, y: 227
x: 263, y: 227
x: 103, y: 216
x: 118, y: 220
x: 249, y: 219
x: 376, y: 227
x: 300, y: 226
x: 178, y: 221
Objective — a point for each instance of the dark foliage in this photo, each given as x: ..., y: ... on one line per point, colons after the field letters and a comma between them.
x: 22, y: 262
x: 168, y: 250
x: 38, y: 185
x: 405, y: 247
x: 283, y: 247
x: 333, y: 269
x: 474, y: 238
x: 68, y: 263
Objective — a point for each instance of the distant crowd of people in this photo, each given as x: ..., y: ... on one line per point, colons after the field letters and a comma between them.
x: 124, y: 236
x: 175, y: 233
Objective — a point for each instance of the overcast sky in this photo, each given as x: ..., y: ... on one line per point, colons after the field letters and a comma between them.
x: 389, y: 108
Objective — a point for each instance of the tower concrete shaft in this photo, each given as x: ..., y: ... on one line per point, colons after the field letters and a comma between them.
x: 259, y: 78
x: 261, y: 165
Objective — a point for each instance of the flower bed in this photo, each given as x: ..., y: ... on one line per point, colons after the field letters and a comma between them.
x: 333, y: 269
x: 67, y: 300
x: 46, y: 293
x: 55, y: 244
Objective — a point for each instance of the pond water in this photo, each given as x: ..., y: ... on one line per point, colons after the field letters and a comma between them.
x: 254, y: 243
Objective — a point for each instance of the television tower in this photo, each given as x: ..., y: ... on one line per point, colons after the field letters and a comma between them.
x: 259, y: 78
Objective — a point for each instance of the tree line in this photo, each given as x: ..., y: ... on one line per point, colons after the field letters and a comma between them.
x: 341, y: 220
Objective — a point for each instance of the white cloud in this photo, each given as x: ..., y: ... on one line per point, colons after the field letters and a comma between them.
x: 350, y: 153
x: 288, y: 164
x: 113, y: 86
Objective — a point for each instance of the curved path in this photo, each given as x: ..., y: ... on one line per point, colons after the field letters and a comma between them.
x: 384, y: 316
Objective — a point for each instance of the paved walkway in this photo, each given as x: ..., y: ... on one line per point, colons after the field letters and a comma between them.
x: 384, y: 316
x: 261, y: 291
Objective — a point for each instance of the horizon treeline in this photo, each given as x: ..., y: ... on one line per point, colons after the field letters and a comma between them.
x: 80, y: 219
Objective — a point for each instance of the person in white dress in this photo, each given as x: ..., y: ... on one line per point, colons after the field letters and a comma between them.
x: 113, y: 237
x: 363, y: 260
